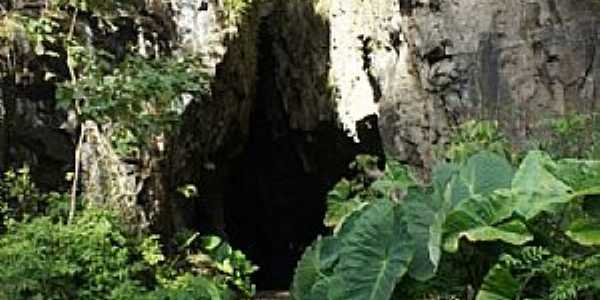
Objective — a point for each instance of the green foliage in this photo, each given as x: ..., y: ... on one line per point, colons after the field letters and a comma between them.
x: 551, y: 196
x: 341, y: 203
x: 365, y: 263
x: 573, y: 135
x: 536, y: 188
x: 186, y: 287
x: 235, y: 9
x: 95, y: 257
x: 483, y: 219
x: 473, y: 137
x: 585, y: 232
x: 47, y: 260
x: 18, y: 191
x: 348, y: 196
x: 375, y: 256
x: 425, y: 228
x: 476, y: 206
x: 520, y: 274
x: 313, y: 274
x: 51, y: 32
x: 138, y: 101
x: 218, y: 260
x: 19, y: 197
x: 499, y: 284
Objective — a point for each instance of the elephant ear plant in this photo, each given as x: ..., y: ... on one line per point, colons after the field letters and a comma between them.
x: 402, y: 230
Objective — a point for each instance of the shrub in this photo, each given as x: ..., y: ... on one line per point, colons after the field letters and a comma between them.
x: 476, y: 207
x: 50, y: 260
x: 96, y: 258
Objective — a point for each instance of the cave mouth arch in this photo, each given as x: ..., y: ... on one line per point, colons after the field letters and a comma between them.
x: 275, y: 194
x: 275, y: 199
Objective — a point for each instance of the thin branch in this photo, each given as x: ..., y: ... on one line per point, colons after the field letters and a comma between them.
x: 76, y: 174
x: 69, y: 59
x: 73, y: 23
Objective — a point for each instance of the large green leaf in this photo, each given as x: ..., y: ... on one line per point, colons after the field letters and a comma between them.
x: 396, y: 177
x: 456, y: 192
x: 536, y: 188
x: 310, y: 276
x: 580, y: 175
x: 513, y: 232
x: 499, y: 284
x: 486, y: 172
x: 375, y: 255
x: 482, y: 174
x: 440, y: 177
x: 321, y: 290
x: 482, y: 219
x: 442, y: 173
x: 308, y: 272
x: 425, y: 228
x: 347, y: 226
x: 585, y: 233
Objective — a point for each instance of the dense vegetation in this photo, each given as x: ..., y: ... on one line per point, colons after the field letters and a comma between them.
x: 97, y: 256
x: 71, y: 244
x: 488, y: 223
x: 483, y: 228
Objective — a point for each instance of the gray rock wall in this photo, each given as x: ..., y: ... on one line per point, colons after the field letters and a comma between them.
x: 425, y: 66
x: 421, y: 66
x: 519, y: 62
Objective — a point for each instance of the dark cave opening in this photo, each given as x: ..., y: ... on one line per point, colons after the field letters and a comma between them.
x: 275, y: 199
x: 275, y: 195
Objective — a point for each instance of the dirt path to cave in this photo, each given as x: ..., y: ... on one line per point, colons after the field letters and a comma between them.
x: 272, y: 295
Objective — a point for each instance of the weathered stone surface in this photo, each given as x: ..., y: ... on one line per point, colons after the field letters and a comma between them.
x: 421, y: 66
x: 516, y: 61
x: 33, y: 136
x: 300, y: 32
x: 365, y: 56
x: 433, y: 64
x: 375, y: 72
x: 214, y: 129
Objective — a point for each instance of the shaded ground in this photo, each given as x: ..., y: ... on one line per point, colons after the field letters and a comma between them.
x: 272, y: 295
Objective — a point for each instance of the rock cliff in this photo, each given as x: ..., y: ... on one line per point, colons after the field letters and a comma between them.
x: 302, y: 86
x: 424, y: 66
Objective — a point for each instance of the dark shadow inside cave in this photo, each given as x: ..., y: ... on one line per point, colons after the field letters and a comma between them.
x: 275, y: 196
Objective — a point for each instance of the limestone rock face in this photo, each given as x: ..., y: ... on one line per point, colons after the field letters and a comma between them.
x: 374, y: 72
x: 424, y: 66
x: 420, y: 66
x: 38, y: 140
x: 519, y: 62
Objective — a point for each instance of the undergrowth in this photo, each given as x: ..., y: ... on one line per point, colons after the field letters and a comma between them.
x: 491, y: 224
x: 97, y: 256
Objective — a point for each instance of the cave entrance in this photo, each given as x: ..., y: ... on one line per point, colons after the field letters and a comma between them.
x: 275, y: 200
x: 275, y: 197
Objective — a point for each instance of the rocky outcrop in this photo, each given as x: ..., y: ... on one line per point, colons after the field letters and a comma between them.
x: 30, y: 125
x: 419, y: 67
x: 374, y: 72
x: 400, y: 73
x: 425, y: 66
x: 519, y: 62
